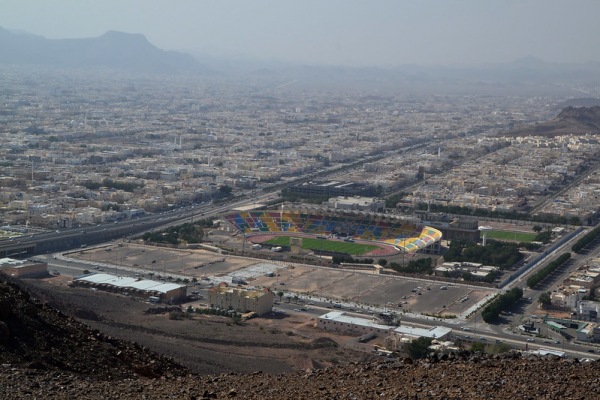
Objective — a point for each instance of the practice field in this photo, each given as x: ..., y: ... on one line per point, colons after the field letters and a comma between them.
x: 326, y: 245
x: 7, y: 234
x: 511, y: 235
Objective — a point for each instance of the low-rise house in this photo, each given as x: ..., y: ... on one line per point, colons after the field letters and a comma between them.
x: 23, y: 268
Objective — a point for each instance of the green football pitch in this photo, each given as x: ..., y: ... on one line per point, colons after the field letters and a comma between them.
x: 326, y: 245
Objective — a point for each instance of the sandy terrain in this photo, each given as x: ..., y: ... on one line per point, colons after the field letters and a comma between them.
x: 206, y: 344
x: 362, y: 288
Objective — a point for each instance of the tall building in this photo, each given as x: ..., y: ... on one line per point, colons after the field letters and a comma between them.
x: 240, y: 300
x: 332, y: 189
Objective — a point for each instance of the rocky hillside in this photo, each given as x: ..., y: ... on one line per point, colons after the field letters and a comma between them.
x: 46, y: 354
x: 35, y: 336
x: 570, y: 121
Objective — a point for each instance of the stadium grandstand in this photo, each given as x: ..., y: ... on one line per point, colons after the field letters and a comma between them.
x: 405, y: 234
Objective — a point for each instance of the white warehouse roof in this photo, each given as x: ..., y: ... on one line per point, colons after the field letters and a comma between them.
x: 128, y: 282
x: 340, y: 316
x: 436, y: 332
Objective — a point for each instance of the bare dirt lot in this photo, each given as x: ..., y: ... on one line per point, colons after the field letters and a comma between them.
x: 213, y: 344
x: 206, y: 344
x: 364, y: 288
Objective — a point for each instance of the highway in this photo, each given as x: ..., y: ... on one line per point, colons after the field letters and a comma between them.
x: 66, y: 239
x: 72, y: 238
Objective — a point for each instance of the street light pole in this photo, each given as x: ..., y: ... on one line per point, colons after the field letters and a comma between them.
x: 403, y: 249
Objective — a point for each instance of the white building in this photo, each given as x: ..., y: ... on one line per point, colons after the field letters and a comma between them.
x: 338, y: 321
x: 588, y: 309
x: 568, y: 297
x: 23, y: 268
x: 411, y: 332
x: 166, y: 292
x: 356, y: 203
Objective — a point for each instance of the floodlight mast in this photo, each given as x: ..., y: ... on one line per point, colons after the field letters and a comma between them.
x: 484, y: 230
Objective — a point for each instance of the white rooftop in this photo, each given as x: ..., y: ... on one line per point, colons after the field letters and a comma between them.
x: 10, y: 262
x: 128, y: 282
x: 434, y: 332
x: 166, y: 287
x: 340, y: 316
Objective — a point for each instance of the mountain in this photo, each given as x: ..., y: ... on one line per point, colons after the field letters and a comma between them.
x: 570, y: 121
x: 113, y: 50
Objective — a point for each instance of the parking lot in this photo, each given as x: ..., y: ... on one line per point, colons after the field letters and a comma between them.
x: 359, y: 287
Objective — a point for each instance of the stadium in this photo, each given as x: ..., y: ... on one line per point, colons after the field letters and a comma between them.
x: 388, y: 234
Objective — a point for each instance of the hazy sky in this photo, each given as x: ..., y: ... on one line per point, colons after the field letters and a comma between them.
x: 342, y: 32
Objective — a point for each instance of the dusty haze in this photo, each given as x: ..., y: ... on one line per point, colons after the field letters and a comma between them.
x: 335, y: 32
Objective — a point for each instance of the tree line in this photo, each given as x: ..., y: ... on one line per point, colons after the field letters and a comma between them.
x: 111, y: 184
x: 500, y: 254
x: 502, y: 303
x: 175, y: 235
x: 585, y: 240
x: 515, y: 215
x: 547, y: 270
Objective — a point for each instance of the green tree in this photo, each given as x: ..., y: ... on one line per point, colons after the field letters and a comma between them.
x: 382, y: 262
x: 537, y: 228
x: 419, y: 348
x: 280, y: 294
x: 477, y: 346
x: 545, y: 298
x: 544, y: 237
x: 225, y: 190
x: 575, y: 220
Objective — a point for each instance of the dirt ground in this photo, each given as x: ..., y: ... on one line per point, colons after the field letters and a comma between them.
x: 206, y: 344
x: 278, y: 343
x: 362, y: 288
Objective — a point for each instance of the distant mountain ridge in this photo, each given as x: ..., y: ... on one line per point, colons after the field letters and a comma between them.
x: 571, y: 120
x: 113, y: 50
x: 134, y: 53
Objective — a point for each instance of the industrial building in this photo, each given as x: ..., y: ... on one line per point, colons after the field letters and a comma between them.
x: 338, y: 321
x: 23, y: 268
x: 163, y: 292
x: 359, y: 203
x: 332, y: 188
x: 240, y: 300
x: 412, y: 333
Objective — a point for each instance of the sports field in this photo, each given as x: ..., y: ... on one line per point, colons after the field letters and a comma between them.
x: 511, y: 235
x: 7, y: 234
x: 325, y: 245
